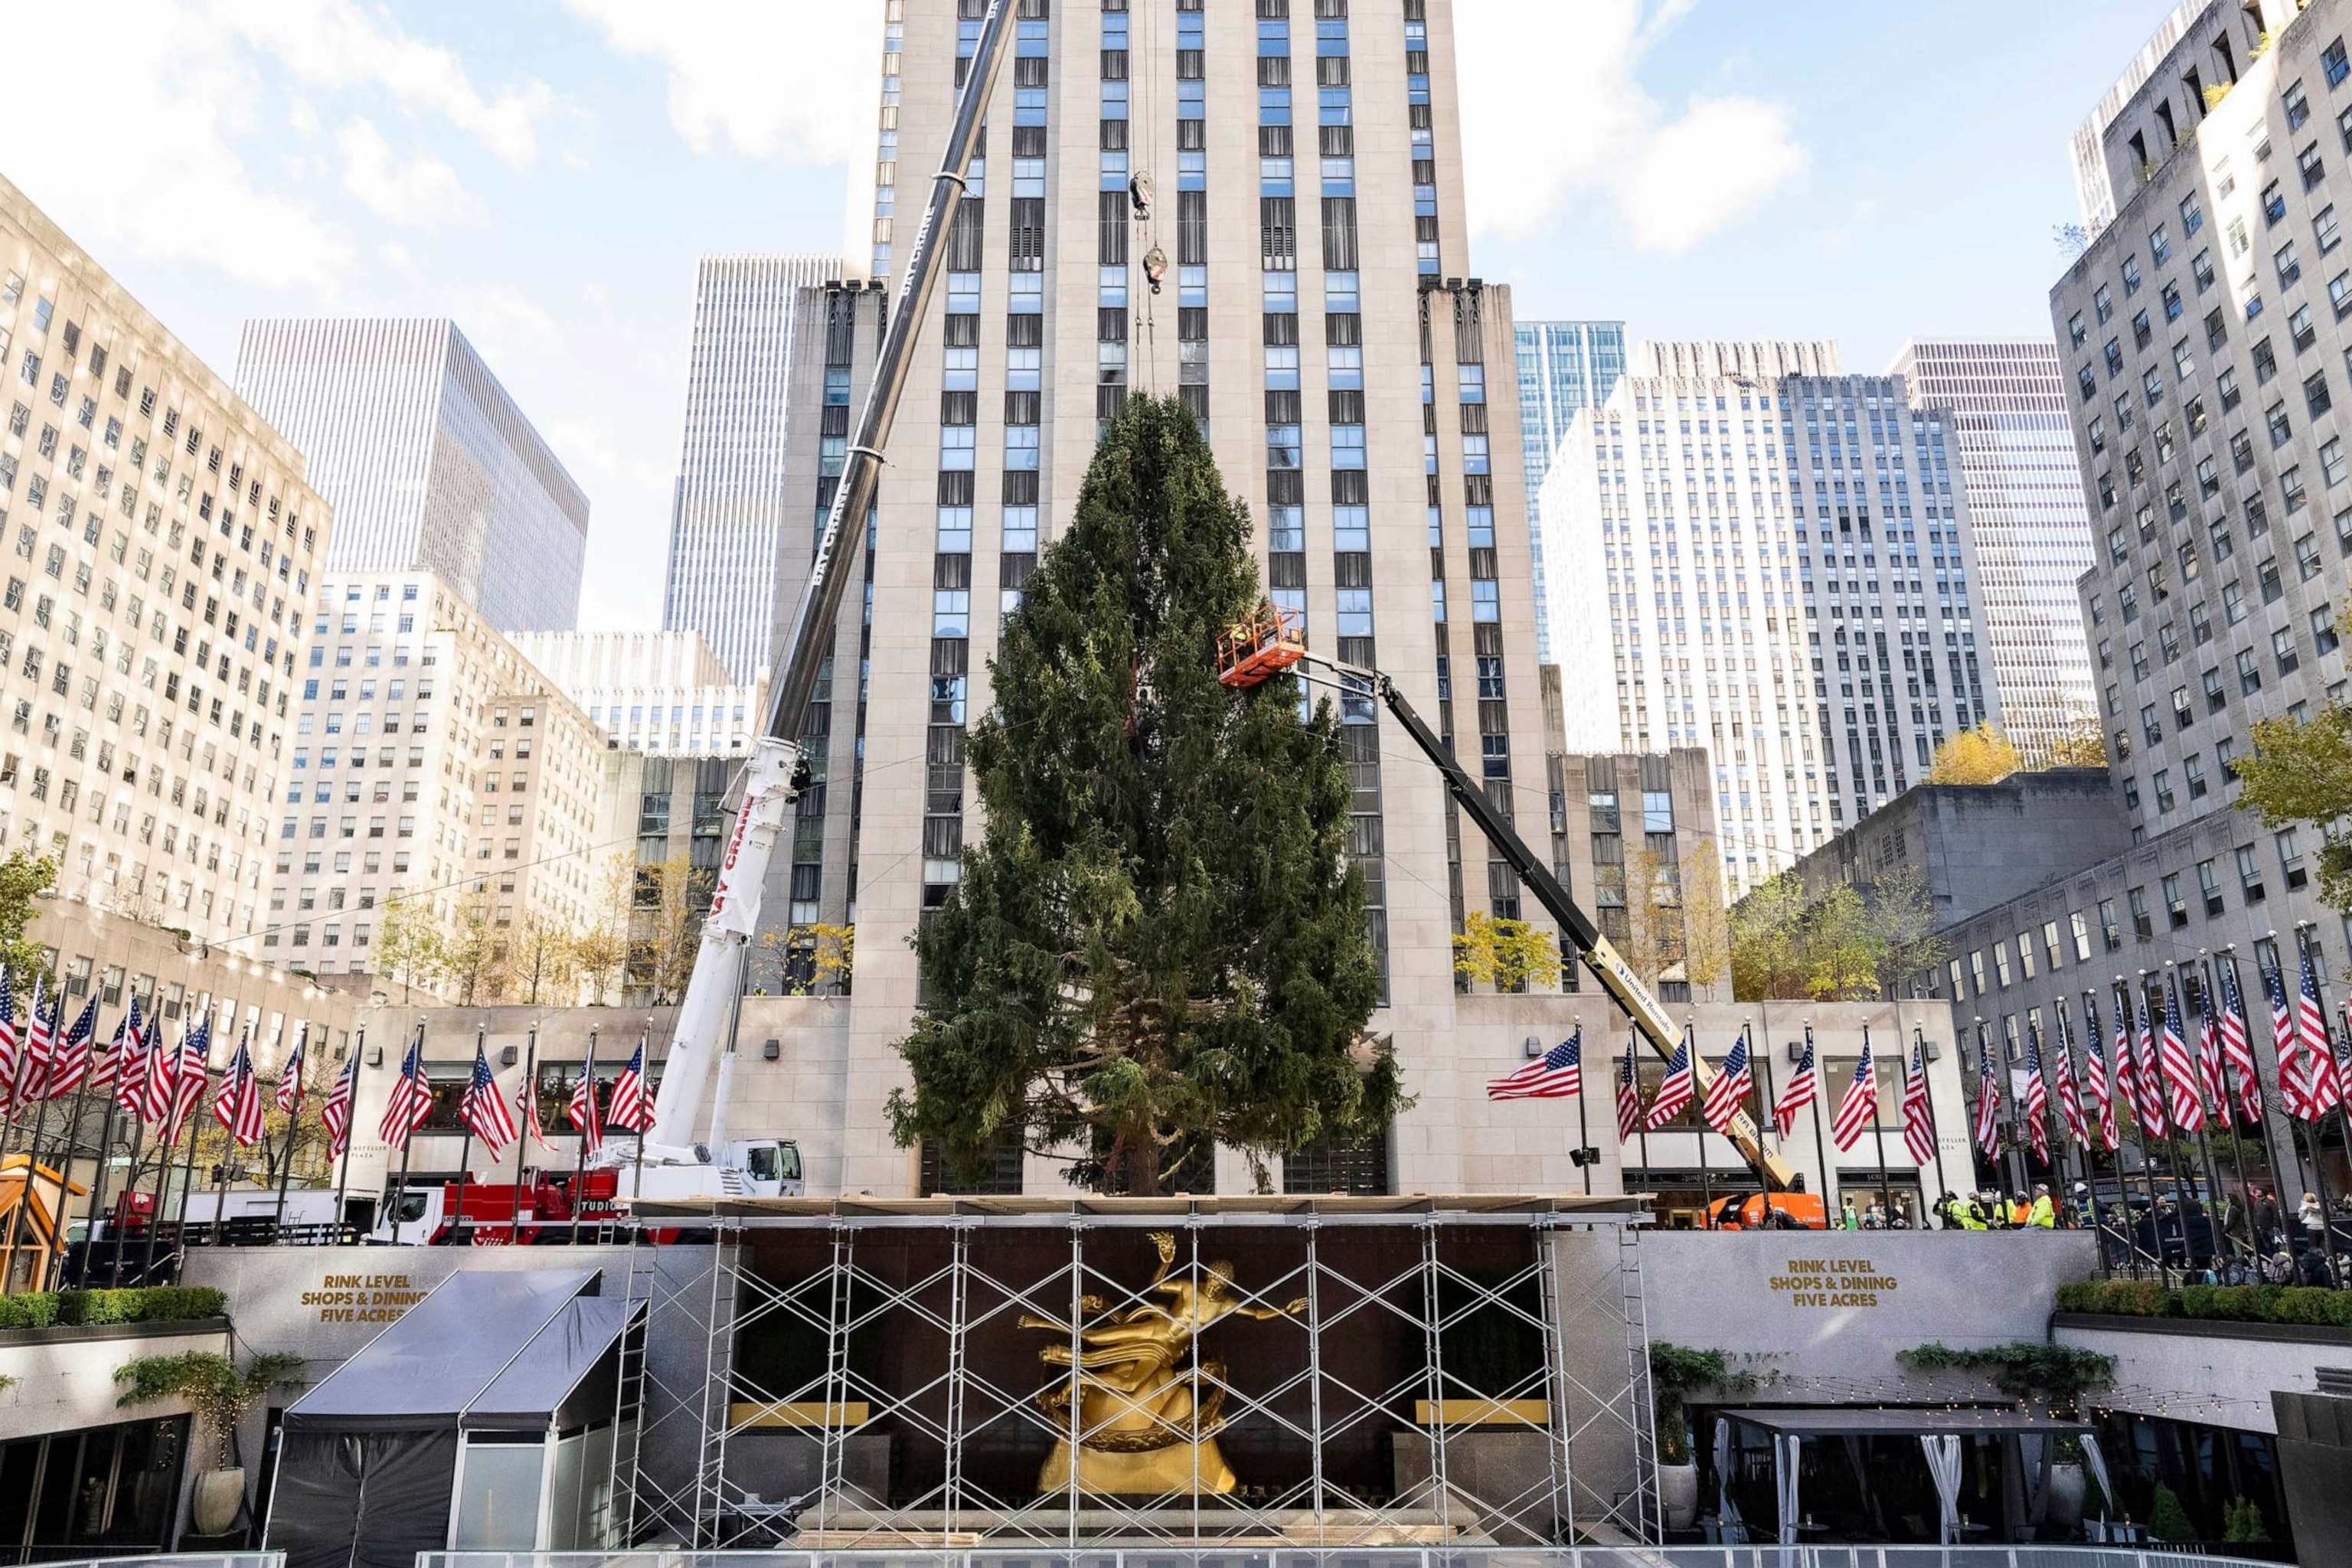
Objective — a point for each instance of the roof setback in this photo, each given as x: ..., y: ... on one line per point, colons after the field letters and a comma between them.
x: 450, y: 1348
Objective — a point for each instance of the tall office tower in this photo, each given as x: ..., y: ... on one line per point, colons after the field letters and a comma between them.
x: 1786, y: 543
x: 726, y: 520
x: 165, y: 538
x: 1341, y: 366
x: 1564, y: 367
x: 431, y: 762
x: 2108, y: 162
x: 660, y: 692
x: 2004, y: 406
x: 2204, y: 338
x: 428, y: 463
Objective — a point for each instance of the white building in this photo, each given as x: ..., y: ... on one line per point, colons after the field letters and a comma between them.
x: 727, y: 524
x: 2004, y: 402
x: 1752, y: 533
x: 433, y: 763
x: 663, y: 693
x: 163, y: 539
x: 428, y: 463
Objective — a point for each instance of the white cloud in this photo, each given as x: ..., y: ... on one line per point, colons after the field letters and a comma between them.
x: 416, y: 193
x: 796, y: 82
x: 1592, y: 131
x: 175, y: 186
x: 334, y: 44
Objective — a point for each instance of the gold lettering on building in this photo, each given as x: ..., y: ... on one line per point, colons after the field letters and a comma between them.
x: 1833, y: 1282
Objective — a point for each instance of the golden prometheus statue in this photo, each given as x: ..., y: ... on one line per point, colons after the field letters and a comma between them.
x: 1146, y: 1424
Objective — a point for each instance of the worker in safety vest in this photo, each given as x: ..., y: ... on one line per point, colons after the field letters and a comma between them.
x: 2020, y: 1213
x: 2042, y: 1216
x: 1969, y: 1213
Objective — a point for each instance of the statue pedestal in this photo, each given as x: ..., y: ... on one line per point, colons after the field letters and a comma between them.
x: 1147, y: 1472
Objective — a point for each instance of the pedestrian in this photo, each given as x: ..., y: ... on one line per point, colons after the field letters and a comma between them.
x: 2268, y: 1222
x: 2313, y: 1267
x: 2278, y: 1269
x: 1847, y: 1218
x: 2021, y: 1212
x: 2313, y: 1220
x: 2041, y: 1214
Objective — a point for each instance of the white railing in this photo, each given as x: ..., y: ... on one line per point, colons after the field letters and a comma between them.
x: 180, y: 1559
x: 2023, y: 1556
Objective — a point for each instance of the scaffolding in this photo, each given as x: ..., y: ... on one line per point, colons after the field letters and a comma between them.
x: 1366, y: 1372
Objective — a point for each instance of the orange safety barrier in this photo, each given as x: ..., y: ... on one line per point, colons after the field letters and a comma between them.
x: 1251, y: 649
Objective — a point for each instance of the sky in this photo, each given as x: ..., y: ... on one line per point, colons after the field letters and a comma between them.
x: 546, y: 172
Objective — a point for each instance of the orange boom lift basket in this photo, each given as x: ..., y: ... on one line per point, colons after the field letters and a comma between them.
x: 1272, y: 639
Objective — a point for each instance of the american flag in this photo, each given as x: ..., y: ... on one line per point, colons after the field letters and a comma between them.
x: 411, y: 1099
x: 237, y: 1105
x: 1803, y: 1089
x: 2151, y: 1086
x: 1728, y: 1095
x: 11, y: 1057
x: 1558, y: 1074
x: 2102, y: 1083
x: 2321, y: 1091
x: 2285, y: 1042
x: 337, y: 1113
x: 1629, y: 1096
x: 627, y: 1108
x: 105, y: 1067
x: 40, y: 1041
x: 1676, y: 1089
x: 70, y: 1064
x: 134, y: 1062
x: 2037, y: 1097
x: 2238, y: 1048
x: 1858, y: 1107
x: 2187, y: 1110
x: 1987, y: 1102
x: 2069, y: 1099
x: 484, y: 1110
x: 2126, y: 1073
x: 582, y: 1111
x: 186, y: 1085
x: 289, y: 1077
x: 2215, y: 1089
x: 1918, y: 1118
x: 527, y: 1102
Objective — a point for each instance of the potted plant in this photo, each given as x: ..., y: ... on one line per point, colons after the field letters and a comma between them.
x: 1677, y: 1371
x: 221, y: 1396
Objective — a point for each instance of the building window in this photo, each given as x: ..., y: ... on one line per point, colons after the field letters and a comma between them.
x: 2250, y: 876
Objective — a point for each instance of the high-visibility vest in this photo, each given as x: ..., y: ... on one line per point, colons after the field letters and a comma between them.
x: 1971, y: 1215
x: 2021, y: 1214
x: 2042, y: 1214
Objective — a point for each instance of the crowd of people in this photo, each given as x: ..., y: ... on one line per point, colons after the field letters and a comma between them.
x: 2230, y: 1240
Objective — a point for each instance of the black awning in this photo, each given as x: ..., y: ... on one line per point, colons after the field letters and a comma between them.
x: 1894, y: 1421
x: 559, y: 1376
x: 452, y: 1347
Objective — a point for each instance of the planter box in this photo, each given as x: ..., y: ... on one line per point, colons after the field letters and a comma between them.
x: 2204, y: 1328
x: 74, y: 1333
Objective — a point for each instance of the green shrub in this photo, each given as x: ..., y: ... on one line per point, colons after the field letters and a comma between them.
x: 152, y: 1304
x: 2305, y: 1304
x: 2198, y: 1302
x: 2135, y: 1298
x: 28, y: 1309
x: 2241, y: 1521
x: 2081, y: 1297
x: 2167, y: 1520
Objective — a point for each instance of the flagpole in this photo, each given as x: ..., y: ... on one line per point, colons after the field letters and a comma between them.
x: 2319, y: 1122
x: 98, y: 1179
x: 350, y: 1136
x: 16, y: 1091
x: 72, y: 1141
x: 2074, y: 1089
x: 163, y: 1147
x: 466, y: 1144
x: 2215, y: 1247
x: 33, y: 1150
x: 2209, y: 1019
x: 637, y: 1174
x: 522, y: 1133
x: 2228, y: 954
x: 2114, y: 1147
x: 2162, y: 1020
x: 1763, y: 1067
x: 1877, y: 1130
x: 1935, y: 1131
x: 1820, y: 1150
x: 2128, y: 1022
x: 228, y: 1145
x: 407, y: 1138
x: 2344, y: 1094
x: 293, y: 1125
x: 2237, y: 1143
x: 596, y: 1116
x: 1706, y: 1175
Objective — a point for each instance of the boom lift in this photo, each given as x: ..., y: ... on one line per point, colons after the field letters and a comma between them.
x: 673, y: 1166
x: 1253, y: 650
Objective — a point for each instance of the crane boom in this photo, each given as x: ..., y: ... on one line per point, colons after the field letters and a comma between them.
x: 1576, y: 928
x: 778, y: 771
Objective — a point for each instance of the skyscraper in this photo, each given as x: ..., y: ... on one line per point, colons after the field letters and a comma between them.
x: 726, y: 520
x: 1314, y: 315
x: 2005, y: 409
x: 1563, y: 367
x: 1783, y: 545
x: 429, y: 465
x: 164, y: 543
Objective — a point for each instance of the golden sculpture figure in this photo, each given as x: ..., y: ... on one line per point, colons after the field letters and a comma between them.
x: 1145, y: 1424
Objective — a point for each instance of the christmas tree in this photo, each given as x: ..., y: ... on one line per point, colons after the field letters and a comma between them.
x: 1159, y: 938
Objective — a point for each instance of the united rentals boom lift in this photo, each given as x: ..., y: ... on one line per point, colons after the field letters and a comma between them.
x: 670, y: 1163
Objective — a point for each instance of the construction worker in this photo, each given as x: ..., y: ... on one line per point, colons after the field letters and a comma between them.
x: 2042, y: 1216
x: 2021, y: 1212
x: 1970, y: 1213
